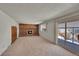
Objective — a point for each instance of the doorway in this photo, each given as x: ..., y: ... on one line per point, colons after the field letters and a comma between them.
x: 13, y: 33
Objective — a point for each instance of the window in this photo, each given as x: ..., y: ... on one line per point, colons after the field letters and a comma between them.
x: 73, y: 30
x: 43, y: 27
x: 68, y: 36
x: 61, y: 31
x: 69, y: 33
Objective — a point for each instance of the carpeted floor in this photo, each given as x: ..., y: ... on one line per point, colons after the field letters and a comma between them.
x: 69, y: 45
x: 35, y: 46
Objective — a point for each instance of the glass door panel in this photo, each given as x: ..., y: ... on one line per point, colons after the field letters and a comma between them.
x: 61, y: 31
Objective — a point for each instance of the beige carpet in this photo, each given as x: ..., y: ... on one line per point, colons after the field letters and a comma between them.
x: 35, y: 46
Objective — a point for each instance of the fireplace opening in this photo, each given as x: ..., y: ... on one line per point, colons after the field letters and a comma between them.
x: 30, y: 32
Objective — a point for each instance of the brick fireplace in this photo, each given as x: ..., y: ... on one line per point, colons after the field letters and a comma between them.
x: 28, y: 30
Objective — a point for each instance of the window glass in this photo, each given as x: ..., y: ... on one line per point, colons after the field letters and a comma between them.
x: 43, y: 27
x: 73, y: 32
x: 61, y: 31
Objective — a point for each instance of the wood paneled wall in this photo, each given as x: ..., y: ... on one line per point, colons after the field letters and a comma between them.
x: 24, y: 28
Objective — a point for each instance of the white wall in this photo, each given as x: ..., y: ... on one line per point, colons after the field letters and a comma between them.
x: 50, y: 33
x: 5, y: 31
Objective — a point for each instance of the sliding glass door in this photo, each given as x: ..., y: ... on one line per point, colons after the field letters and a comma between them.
x: 73, y: 31
x: 69, y: 31
x: 68, y: 36
x: 61, y: 31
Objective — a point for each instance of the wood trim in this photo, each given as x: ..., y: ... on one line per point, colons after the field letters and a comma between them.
x: 65, y: 30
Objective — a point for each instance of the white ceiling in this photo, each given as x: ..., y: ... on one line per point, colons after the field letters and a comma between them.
x: 33, y: 13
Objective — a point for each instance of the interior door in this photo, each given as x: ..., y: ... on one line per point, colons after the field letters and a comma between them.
x: 14, y: 33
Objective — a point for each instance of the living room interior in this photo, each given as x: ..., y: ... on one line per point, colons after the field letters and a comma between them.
x: 39, y: 29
